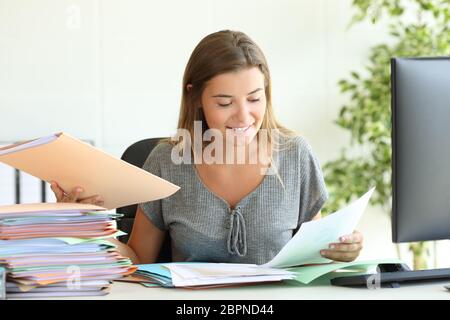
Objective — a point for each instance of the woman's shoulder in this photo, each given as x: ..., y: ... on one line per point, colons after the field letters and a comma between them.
x: 295, y: 145
x: 160, y: 156
x: 162, y: 149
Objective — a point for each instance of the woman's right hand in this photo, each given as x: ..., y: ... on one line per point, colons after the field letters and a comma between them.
x: 74, y: 195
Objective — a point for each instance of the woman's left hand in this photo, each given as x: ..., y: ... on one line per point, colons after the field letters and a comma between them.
x: 345, y: 251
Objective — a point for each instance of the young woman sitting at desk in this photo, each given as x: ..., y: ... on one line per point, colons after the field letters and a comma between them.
x: 229, y: 208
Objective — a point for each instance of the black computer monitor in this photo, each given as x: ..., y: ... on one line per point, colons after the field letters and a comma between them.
x: 420, y: 89
x: 420, y: 149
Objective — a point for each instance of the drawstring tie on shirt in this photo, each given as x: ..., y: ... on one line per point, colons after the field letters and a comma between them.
x: 237, y: 238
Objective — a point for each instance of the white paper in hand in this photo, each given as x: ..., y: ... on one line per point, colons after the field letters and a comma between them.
x: 313, y: 236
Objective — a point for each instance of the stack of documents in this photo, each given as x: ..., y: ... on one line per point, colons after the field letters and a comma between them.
x: 208, y: 274
x: 298, y: 260
x: 59, y: 249
x: 86, y: 288
x: 62, y: 221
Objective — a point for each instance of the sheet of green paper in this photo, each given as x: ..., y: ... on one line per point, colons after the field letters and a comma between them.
x: 109, y: 214
x: 150, y: 285
x: 307, y: 274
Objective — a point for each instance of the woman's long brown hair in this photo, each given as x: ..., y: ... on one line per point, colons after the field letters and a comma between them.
x: 222, y: 52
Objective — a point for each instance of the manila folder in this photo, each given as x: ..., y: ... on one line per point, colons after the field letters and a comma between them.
x: 72, y: 163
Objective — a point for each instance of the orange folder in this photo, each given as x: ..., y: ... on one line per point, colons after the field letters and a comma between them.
x: 73, y: 163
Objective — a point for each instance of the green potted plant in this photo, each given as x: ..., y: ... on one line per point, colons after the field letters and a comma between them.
x: 416, y: 28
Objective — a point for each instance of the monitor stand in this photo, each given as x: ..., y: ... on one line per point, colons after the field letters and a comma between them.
x: 391, y: 275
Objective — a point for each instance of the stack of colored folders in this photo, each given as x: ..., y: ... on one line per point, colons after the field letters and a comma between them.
x: 59, y: 249
x: 205, y: 275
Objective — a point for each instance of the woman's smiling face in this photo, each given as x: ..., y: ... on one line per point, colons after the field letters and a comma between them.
x: 235, y: 103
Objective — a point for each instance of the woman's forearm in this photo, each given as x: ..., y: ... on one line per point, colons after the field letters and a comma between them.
x: 125, y: 250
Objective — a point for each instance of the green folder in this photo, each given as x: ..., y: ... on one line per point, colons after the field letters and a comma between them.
x: 307, y: 274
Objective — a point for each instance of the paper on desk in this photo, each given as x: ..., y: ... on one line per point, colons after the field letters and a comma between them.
x: 73, y: 163
x: 53, y: 243
x: 72, y: 240
x: 101, y: 224
x: 156, y: 272
x: 197, y: 274
x: 27, y: 144
x: 313, y: 236
x: 47, y: 210
x: 306, y: 274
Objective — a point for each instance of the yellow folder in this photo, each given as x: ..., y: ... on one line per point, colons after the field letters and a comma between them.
x: 72, y: 163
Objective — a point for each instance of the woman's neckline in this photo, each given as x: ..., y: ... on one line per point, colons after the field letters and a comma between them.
x: 216, y: 196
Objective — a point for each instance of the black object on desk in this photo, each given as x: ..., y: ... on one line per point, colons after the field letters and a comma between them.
x: 391, y: 275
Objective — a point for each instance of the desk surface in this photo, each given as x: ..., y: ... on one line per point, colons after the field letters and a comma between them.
x: 278, y: 291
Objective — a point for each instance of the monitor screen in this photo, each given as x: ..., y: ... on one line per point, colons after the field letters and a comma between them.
x: 420, y: 90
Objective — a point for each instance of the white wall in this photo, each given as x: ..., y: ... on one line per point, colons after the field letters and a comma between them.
x: 110, y: 70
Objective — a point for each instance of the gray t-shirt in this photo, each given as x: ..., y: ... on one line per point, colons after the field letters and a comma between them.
x: 202, y: 226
